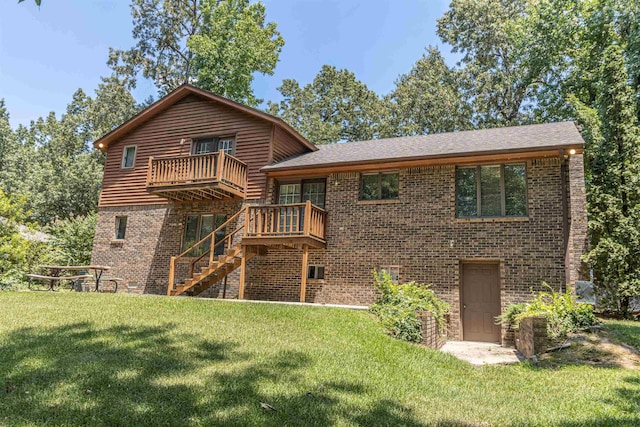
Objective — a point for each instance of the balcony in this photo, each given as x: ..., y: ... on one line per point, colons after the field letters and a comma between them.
x: 199, y: 177
x: 291, y: 225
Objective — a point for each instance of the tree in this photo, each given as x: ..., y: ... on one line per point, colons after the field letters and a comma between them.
x: 113, y: 105
x: 334, y: 107
x: 234, y: 44
x: 505, y: 63
x: 6, y: 136
x: 614, y: 191
x: 428, y: 99
x: 215, y: 44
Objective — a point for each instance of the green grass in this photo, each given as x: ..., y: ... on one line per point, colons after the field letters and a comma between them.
x: 181, y: 361
x: 626, y: 331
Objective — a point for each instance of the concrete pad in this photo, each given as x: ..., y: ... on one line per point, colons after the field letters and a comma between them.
x: 482, y: 353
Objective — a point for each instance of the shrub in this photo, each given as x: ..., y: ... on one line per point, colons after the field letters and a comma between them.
x: 72, y: 240
x: 563, y: 313
x: 19, y: 253
x: 397, y: 306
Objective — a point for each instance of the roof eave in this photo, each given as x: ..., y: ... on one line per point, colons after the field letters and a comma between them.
x: 273, y: 169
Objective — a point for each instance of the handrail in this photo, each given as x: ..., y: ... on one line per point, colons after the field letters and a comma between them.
x: 200, y: 168
x: 285, y: 220
x: 188, y: 156
x: 211, y: 236
x: 295, y: 219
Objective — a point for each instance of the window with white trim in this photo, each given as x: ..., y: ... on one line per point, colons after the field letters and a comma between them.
x: 128, y: 156
x: 213, y: 144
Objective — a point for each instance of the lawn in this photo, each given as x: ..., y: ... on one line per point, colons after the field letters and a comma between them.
x: 96, y: 359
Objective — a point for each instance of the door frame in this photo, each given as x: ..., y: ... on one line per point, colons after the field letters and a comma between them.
x: 481, y: 261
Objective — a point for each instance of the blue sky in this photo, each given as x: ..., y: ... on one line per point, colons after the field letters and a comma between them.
x: 47, y: 53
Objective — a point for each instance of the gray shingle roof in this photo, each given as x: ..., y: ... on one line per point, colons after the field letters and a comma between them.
x: 485, y: 141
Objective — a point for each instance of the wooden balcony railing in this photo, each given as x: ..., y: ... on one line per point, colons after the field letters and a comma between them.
x: 196, y: 172
x: 299, y: 219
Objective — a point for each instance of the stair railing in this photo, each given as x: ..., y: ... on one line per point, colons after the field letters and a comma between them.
x: 228, y: 240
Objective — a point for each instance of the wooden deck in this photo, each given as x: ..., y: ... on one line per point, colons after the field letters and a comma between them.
x: 198, y: 177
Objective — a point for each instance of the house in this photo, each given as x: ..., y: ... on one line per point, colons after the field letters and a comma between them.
x: 204, y: 196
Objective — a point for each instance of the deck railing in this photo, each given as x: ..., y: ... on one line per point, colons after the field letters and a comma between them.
x: 298, y: 219
x: 197, y: 169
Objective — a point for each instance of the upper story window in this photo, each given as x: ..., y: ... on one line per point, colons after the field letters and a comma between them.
x: 379, y: 186
x: 491, y: 191
x: 128, y: 156
x: 213, y: 144
x: 301, y: 191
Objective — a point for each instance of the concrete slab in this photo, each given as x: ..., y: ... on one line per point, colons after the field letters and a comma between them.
x: 482, y: 353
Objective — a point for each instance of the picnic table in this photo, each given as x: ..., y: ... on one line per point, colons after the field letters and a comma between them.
x: 55, y: 276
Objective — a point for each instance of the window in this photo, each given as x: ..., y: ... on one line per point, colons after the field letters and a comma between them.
x: 226, y: 145
x: 289, y: 193
x: 312, y: 189
x: 121, y: 227
x: 491, y: 191
x: 391, y: 270
x: 128, y: 157
x: 200, y: 226
x: 379, y: 186
x: 213, y: 144
x: 315, y: 272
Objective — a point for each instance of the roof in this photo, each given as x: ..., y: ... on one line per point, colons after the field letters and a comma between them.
x: 181, y: 92
x: 539, y: 137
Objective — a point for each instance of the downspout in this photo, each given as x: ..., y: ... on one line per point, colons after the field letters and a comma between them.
x: 565, y: 217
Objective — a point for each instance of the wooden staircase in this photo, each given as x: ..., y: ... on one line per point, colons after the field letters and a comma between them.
x: 218, y: 267
x: 291, y: 226
x: 214, y: 272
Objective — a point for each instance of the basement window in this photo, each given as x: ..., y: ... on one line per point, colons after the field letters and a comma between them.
x: 121, y: 227
x: 391, y: 270
x: 315, y: 272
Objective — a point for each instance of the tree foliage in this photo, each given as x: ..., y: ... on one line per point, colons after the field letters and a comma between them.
x: 52, y: 162
x: 427, y: 100
x: 217, y: 45
x: 334, y: 107
x: 18, y: 255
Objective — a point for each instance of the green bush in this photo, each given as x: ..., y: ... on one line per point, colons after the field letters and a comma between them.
x: 72, y: 240
x: 19, y: 254
x: 563, y: 313
x: 398, y: 304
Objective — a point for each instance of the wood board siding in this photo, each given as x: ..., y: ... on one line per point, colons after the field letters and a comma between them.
x: 285, y: 145
x: 189, y: 118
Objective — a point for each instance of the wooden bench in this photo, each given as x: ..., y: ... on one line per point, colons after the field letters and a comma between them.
x: 55, y: 280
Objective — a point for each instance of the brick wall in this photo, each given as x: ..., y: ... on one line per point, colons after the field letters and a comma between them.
x: 532, y: 336
x: 418, y: 232
x: 432, y: 336
x: 154, y: 234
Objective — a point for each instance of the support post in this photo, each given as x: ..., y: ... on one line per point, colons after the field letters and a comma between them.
x: 305, y: 267
x: 307, y: 218
x: 243, y: 268
x: 172, y: 270
x: 224, y: 289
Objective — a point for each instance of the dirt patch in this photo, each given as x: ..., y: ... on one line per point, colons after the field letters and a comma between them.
x: 596, y: 348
